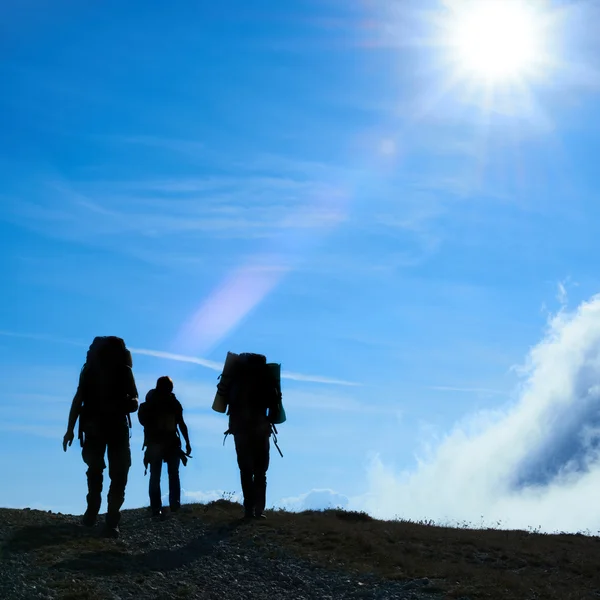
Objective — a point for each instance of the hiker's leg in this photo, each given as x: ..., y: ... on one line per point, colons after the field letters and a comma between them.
x: 261, y: 466
x: 119, y: 463
x: 93, y: 456
x: 174, y: 482
x: 243, y: 451
x: 154, y: 487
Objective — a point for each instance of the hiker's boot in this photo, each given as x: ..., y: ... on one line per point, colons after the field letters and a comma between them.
x: 111, y: 527
x: 89, y: 519
x: 111, y: 531
x: 248, y: 513
x: 259, y: 508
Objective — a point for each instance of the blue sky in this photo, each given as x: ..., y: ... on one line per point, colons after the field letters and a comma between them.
x: 311, y: 180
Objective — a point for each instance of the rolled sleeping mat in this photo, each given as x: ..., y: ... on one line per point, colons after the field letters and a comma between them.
x: 230, y: 361
x: 275, y: 369
x: 220, y: 402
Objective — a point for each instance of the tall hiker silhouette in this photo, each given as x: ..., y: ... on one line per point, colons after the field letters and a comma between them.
x: 253, y: 395
x: 105, y: 397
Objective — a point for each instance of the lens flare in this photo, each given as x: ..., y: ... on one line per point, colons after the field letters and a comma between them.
x: 247, y: 285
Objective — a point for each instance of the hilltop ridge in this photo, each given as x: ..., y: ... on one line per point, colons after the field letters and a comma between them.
x: 207, y: 551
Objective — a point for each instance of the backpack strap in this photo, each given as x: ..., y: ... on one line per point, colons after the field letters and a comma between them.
x: 274, y: 432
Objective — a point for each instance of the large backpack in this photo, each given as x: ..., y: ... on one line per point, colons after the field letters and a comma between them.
x: 106, y: 382
x: 252, y: 394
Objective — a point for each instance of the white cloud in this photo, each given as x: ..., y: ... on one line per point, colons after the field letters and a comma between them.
x: 317, y: 499
x: 534, y: 463
x: 210, y: 496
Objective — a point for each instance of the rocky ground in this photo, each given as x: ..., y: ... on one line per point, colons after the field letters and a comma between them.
x: 208, y: 551
x: 189, y: 555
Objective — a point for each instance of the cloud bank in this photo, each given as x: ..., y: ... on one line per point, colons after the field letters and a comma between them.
x: 534, y: 463
x: 317, y: 499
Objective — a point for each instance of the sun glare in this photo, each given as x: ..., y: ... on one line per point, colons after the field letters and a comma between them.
x: 497, y: 40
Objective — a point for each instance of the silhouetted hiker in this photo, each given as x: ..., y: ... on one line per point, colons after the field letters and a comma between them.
x: 162, y: 417
x: 253, y: 394
x: 106, y: 395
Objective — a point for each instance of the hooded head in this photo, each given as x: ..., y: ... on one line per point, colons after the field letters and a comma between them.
x: 164, y: 385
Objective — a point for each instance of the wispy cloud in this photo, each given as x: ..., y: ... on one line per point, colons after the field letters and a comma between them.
x: 466, y: 390
x: 216, y: 366
x: 39, y: 337
x: 208, y: 364
x: 238, y: 206
x: 562, y: 295
x: 562, y: 292
x: 192, y: 148
x: 316, y: 379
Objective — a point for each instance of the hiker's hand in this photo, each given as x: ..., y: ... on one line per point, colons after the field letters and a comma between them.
x: 188, y: 449
x: 68, y: 439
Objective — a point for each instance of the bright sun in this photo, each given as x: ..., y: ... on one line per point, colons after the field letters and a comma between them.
x: 497, y: 40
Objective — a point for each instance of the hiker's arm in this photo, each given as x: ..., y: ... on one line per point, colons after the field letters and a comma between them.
x: 73, y: 416
x: 133, y: 403
x: 77, y: 403
x: 74, y: 412
x: 185, y: 433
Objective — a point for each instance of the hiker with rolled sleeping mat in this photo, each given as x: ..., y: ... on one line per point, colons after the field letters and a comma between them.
x: 106, y: 395
x: 161, y: 415
x: 250, y: 391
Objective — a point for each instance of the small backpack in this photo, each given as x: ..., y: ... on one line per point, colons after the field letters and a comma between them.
x: 106, y: 381
x: 159, y: 416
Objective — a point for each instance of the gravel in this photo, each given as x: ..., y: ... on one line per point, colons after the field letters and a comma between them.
x: 52, y: 556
